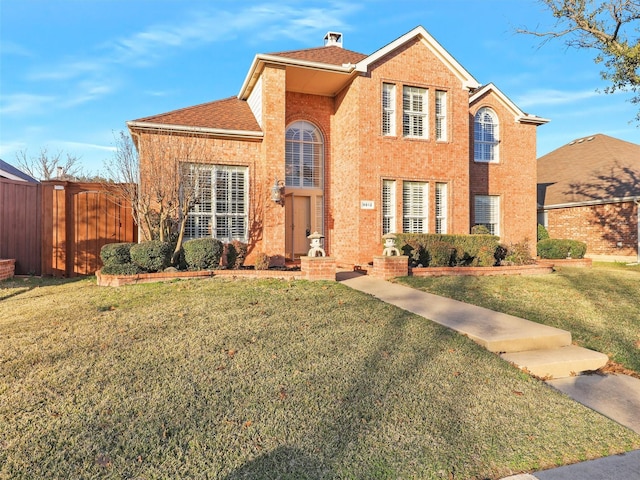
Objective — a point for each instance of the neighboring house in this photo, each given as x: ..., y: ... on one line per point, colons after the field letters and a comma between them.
x: 402, y: 140
x: 10, y: 172
x: 589, y: 190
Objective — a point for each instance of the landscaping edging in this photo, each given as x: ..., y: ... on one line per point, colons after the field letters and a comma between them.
x: 536, y: 269
x: 567, y: 262
x: 7, y: 269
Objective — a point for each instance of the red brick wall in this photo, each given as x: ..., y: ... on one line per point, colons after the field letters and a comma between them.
x: 601, y: 227
x: 7, y: 268
x: 513, y: 177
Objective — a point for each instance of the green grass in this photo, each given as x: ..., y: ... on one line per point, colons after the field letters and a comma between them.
x: 600, y: 306
x: 265, y: 379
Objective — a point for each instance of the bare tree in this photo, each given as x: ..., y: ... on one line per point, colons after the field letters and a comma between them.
x: 158, y: 176
x: 47, y: 166
x: 611, y: 28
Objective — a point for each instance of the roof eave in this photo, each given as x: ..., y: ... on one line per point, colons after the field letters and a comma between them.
x: 518, y: 114
x: 588, y: 203
x: 261, y: 59
x: 217, y: 132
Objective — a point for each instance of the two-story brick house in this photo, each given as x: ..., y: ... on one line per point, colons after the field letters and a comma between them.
x: 402, y: 140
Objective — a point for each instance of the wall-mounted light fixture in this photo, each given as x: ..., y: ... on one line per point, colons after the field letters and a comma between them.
x: 276, y: 191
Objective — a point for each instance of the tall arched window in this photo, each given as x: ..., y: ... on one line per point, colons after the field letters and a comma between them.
x: 304, y: 156
x: 486, y: 136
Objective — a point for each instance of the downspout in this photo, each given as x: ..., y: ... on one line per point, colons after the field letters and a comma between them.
x: 637, y: 202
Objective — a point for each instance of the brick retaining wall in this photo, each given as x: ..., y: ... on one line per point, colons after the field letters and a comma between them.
x: 7, y: 269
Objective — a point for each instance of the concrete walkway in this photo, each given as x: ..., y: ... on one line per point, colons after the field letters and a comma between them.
x: 517, y: 339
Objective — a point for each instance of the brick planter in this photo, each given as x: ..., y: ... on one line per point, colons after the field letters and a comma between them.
x: 318, y: 268
x: 567, y: 262
x: 390, y: 267
x: 7, y: 269
x: 536, y: 269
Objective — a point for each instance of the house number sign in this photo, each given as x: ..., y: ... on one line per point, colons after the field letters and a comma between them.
x: 367, y: 204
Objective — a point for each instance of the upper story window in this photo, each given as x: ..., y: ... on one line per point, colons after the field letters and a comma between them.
x: 486, y: 136
x: 414, y: 112
x: 441, y: 115
x: 388, y: 109
x: 304, y: 156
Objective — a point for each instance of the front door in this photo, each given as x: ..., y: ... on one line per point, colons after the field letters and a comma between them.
x: 298, y: 218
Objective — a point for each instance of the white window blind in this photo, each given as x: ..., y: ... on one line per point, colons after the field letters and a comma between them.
x: 441, y: 208
x: 220, y: 210
x: 441, y: 115
x: 414, y: 207
x: 304, y: 156
x: 388, y: 109
x: 388, y: 206
x: 487, y: 212
x: 485, y: 136
x: 414, y: 112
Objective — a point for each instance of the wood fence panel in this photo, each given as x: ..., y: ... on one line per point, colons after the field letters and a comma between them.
x: 20, y: 225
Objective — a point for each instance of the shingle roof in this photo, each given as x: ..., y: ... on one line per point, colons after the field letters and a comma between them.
x: 331, y: 55
x: 594, y: 168
x: 227, y: 114
x: 13, y: 171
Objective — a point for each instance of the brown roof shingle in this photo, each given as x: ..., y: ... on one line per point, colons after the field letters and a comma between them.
x: 331, y: 55
x: 594, y: 168
x: 227, y: 114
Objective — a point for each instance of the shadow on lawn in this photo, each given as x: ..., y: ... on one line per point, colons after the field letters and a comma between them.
x: 19, y: 285
x: 283, y: 463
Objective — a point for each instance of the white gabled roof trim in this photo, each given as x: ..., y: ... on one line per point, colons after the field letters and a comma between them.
x: 518, y: 114
x: 221, y: 132
x: 465, y: 77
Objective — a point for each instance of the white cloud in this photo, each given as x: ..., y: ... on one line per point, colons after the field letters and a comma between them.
x: 552, y: 97
x: 81, y: 145
x: 24, y: 103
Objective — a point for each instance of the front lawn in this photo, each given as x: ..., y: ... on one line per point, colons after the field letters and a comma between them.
x: 600, y: 306
x: 265, y: 379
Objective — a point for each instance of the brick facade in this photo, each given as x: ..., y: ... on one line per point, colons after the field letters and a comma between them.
x: 609, y: 229
x: 358, y: 157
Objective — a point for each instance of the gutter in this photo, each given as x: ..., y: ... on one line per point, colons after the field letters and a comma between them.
x: 588, y: 203
x: 220, y: 132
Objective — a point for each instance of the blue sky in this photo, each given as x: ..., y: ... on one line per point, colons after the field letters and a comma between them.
x: 72, y: 72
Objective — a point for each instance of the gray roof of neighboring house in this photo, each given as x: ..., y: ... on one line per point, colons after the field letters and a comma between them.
x: 9, y: 171
x: 593, y: 169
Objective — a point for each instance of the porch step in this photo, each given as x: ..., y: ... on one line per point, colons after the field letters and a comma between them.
x: 557, y: 362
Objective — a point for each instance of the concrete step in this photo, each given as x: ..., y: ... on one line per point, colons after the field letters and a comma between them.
x: 557, y: 362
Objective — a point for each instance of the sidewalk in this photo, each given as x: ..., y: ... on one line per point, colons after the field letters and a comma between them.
x: 614, y: 396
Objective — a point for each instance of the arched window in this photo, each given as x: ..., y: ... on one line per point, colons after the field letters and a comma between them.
x: 304, y: 156
x: 486, y: 136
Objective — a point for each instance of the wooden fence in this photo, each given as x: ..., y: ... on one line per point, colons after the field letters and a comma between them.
x: 71, y: 223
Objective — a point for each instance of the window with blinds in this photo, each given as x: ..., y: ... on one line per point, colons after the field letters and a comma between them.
x: 414, y: 207
x: 441, y: 208
x: 414, y: 112
x: 388, y: 206
x: 388, y: 109
x: 486, y: 136
x: 487, y: 212
x: 441, y: 115
x: 221, y: 205
x: 304, y: 156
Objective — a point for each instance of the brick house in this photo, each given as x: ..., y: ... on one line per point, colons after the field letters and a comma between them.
x: 589, y: 190
x: 355, y: 146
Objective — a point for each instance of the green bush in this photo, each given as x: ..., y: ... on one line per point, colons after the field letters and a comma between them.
x: 262, y: 261
x: 555, y: 248
x: 480, y: 230
x: 152, y: 256
x: 421, y: 247
x: 202, y: 253
x: 543, y: 234
x: 236, y: 253
x: 441, y: 254
x: 518, y: 254
x: 116, y: 253
x: 485, y: 257
x: 120, y: 269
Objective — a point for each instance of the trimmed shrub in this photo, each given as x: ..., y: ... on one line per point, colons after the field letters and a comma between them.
x: 543, y: 234
x: 480, y: 230
x: 236, y: 253
x: 116, y: 253
x: 485, y: 257
x: 202, y: 253
x: 152, y: 256
x: 262, y: 261
x: 518, y: 254
x: 120, y: 269
x: 441, y: 254
x: 420, y: 247
x: 556, y: 248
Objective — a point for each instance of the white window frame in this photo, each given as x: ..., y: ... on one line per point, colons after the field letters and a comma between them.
x: 222, y: 203
x: 441, y: 207
x: 388, y: 206
x: 415, y: 108
x: 486, y: 211
x: 486, y: 136
x: 388, y: 109
x: 304, y: 156
x: 441, y: 116
x: 415, y: 207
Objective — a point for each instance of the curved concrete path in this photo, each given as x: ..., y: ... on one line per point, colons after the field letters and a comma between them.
x: 615, y: 396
